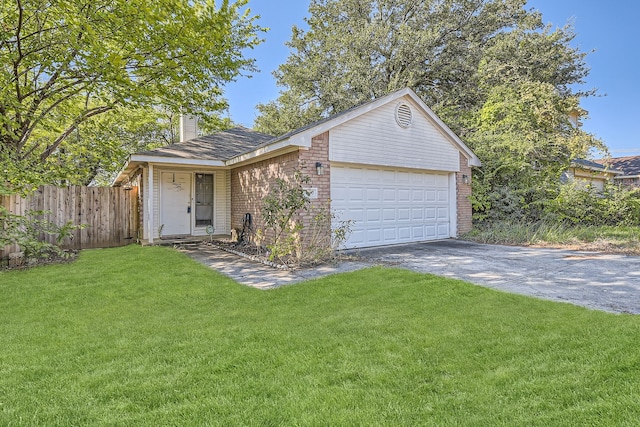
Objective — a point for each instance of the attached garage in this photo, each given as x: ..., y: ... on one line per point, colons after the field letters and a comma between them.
x: 390, y: 206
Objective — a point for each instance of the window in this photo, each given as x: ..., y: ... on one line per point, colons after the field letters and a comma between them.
x: 204, y: 199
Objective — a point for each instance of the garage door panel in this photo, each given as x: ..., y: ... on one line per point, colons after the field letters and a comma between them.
x: 390, y: 206
x: 390, y: 235
x: 389, y: 195
x: 404, y: 233
x: 339, y: 193
x: 417, y: 214
x: 373, y: 194
x: 355, y: 214
x: 417, y: 232
x: 357, y: 238
x: 356, y: 194
x: 373, y: 215
x: 388, y: 214
x: 374, y: 236
x: 404, y: 195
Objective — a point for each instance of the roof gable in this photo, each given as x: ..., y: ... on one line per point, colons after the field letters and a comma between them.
x: 394, y: 134
x: 302, y: 136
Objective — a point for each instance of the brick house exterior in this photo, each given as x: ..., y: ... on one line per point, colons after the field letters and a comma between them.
x: 390, y: 166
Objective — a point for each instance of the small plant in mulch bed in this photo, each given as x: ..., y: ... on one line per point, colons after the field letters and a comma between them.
x: 26, y: 231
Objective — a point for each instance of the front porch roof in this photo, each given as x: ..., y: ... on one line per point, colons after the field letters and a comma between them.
x: 210, y: 150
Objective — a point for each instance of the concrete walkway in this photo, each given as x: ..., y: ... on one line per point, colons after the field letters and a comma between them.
x: 590, y: 279
x: 257, y: 275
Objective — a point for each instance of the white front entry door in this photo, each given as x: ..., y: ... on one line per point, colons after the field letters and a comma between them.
x: 175, y: 203
x: 390, y: 206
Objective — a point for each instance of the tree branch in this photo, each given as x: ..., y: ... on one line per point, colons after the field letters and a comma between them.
x: 86, y: 115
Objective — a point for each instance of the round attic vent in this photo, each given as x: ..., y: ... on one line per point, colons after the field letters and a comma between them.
x: 404, y: 116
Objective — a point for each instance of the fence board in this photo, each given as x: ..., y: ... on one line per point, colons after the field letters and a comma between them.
x: 111, y: 214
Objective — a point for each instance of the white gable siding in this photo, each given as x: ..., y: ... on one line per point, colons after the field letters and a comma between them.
x: 375, y: 138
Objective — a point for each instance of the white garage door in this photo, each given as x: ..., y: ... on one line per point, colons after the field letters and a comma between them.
x: 390, y: 206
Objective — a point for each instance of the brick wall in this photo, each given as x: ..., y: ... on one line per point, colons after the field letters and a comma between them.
x: 463, y: 191
x: 251, y: 183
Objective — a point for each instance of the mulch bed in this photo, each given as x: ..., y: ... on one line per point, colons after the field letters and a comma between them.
x: 19, y: 262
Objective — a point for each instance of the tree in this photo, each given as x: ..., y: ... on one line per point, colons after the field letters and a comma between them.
x: 490, y: 69
x: 96, y: 150
x: 525, y: 139
x: 358, y: 50
x: 65, y: 62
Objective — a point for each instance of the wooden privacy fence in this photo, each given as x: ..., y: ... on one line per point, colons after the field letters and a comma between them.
x: 110, y: 214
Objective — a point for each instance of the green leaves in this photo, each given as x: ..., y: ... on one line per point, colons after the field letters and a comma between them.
x: 490, y: 69
x: 64, y: 62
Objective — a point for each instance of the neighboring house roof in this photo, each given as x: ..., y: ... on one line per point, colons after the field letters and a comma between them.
x: 630, y: 165
x: 241, y: 144
x: 594, y: 166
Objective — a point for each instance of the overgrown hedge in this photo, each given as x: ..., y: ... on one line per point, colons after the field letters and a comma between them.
x: 579, y: 204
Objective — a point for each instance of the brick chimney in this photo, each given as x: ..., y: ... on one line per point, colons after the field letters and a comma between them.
x: 188, y: 127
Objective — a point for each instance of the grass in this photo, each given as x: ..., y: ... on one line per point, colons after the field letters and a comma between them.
x: 145, y: 336
x: 618, y: 239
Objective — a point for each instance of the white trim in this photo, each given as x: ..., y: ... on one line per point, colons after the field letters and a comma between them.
x: 150, y: 203
x: 175, y: 161
x: 262, y: 151
x: 453, y: 205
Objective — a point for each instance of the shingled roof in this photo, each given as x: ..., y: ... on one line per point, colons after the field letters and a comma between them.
x: 629, y: 165
x: 218, y: 146
x: 594, y: 165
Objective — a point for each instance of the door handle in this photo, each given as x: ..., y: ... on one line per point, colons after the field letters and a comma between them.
x: 188, y: 209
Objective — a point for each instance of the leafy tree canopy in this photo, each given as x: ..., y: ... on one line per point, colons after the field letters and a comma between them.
x: 66, y: 62
x: 490, y: 69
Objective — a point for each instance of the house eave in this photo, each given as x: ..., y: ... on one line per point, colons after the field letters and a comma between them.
x: 176, y: 161
x: 596, y: 169
x: 136, y: 160
x: 626, y: 176
x: 267, y: 151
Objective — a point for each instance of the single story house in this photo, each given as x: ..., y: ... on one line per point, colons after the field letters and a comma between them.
x: 629, y: 167
x: 590, y: 173
x: 390, y: 166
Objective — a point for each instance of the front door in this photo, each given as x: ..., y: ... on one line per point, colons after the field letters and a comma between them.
x: 175, y: 203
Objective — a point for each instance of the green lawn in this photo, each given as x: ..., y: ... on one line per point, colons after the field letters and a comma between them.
x: 145, y: 336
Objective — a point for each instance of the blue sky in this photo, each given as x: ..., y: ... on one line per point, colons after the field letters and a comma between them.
x: 611, y: 32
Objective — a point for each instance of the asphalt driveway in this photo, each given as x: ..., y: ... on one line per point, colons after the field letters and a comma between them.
x: 590, y: 279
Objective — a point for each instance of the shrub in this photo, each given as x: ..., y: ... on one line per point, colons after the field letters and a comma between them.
x: 293, y: 227
x: 27, y: 232
x: 577, y: 204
